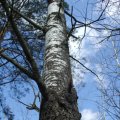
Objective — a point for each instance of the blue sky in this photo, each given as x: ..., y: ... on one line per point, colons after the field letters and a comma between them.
x: 86, y: 83
x: 89, y: 93
x: 90, y: 97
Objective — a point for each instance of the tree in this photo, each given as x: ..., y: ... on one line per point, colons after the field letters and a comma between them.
x: 109, y: 64
x: 59, y: 98
x: 25, y: 28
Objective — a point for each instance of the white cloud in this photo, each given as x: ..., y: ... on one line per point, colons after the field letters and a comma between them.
x: 113, y: 8
x: 112, y: 12
x: 83, y: 51
x: 87, y: 46
x: 102, y: 81
x: 88, y: 114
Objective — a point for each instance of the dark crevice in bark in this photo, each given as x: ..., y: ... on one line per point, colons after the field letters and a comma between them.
x: 50, y: 1
x: 60, y: 106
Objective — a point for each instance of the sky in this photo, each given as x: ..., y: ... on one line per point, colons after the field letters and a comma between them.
x: 87, y: 93
x: 90, y: 98
x: 90, y: 54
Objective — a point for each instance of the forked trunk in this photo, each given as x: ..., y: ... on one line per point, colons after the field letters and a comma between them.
x: 60, y: 102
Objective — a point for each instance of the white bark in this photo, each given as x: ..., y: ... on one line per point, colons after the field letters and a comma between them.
x: 57, y: 73
x: 60, y: 102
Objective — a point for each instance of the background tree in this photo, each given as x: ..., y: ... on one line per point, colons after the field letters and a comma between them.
x: 106, y: 61
x: 58, y: 89
x: 110, y: 59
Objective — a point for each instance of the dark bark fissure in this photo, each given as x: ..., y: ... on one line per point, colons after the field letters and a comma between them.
x: 60, y: 106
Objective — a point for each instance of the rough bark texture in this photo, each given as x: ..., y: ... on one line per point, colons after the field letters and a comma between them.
x: 60, y: 102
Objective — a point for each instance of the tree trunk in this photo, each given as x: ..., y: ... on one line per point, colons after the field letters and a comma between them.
x: 60, y: 102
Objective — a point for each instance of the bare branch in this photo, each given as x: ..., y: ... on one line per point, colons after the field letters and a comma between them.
x: 22, y: 42
x: 85, y: 67
x: 30, y: 107
x: 17, y: 65
x: 28, y: 20
x: 4, y: 83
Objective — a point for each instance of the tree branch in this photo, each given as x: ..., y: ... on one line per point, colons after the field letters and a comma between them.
x: 17, y: 65
x: 30, y: 107
x: 85, y: 67
x: 22, y: 42
x: 28, y: 20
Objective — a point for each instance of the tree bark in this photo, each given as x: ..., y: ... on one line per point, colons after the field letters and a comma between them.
x: 60, y: 102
